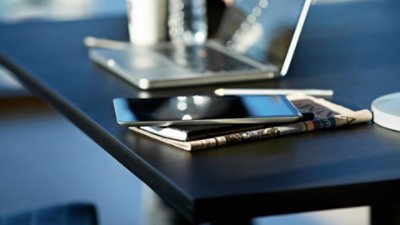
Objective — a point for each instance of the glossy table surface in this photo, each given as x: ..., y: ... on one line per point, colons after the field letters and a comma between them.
x: 349, y: 47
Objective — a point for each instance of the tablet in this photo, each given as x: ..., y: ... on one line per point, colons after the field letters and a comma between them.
x: 202, y: 109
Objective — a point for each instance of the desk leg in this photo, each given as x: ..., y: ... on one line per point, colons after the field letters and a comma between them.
x: 156, y: 211
x: 388, y: 214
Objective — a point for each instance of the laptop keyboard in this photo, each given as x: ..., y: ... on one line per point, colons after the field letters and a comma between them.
x: 203, y: 59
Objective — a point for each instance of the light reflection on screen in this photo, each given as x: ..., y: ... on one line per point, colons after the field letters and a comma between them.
x: 261, y: 29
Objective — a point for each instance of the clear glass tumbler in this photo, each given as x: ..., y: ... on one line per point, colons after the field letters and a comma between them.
x: 187, y: 21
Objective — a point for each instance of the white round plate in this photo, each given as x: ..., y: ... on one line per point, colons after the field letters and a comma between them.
x: 386, y: 111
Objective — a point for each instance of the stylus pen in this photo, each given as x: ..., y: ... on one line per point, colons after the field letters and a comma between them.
x: 249, y: 91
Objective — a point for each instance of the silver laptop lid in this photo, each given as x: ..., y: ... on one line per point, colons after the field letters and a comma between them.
x: 265, y: 30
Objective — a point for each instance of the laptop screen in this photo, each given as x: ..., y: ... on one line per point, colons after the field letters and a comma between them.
x: 265, y: 30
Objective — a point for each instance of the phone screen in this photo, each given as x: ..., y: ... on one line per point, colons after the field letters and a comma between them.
x: 203, y: 109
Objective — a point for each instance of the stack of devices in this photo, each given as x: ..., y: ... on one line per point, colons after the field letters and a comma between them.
x: 205, y: 110
x: 256, y: 40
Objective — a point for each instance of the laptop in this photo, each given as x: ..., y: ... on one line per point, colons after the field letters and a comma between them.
x: 256, y: 41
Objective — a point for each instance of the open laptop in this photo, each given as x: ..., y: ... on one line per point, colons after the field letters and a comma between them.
x: 256, y: 40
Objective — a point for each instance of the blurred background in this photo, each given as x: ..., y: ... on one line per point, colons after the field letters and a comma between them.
x: 19, y: 10
x: 37, y: 173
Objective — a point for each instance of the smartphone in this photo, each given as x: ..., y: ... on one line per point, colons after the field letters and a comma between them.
x: 203, y: 109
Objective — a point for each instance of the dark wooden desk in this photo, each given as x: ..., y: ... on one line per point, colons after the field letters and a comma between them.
x: 350, y: 47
